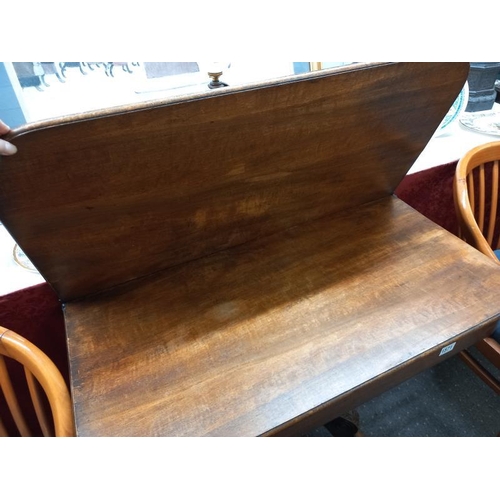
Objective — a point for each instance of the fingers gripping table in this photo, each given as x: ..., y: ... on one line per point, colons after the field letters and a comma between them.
x: 236, y: 263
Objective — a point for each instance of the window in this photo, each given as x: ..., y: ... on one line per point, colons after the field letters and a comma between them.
x: 42, y: 90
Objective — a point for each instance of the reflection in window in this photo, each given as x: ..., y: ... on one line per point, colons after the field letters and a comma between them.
x: 33, y: 91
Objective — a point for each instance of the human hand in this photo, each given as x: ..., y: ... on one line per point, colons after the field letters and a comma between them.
x: 6, y: 148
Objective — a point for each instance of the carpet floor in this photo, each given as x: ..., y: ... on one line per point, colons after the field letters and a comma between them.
x: 447, y: 400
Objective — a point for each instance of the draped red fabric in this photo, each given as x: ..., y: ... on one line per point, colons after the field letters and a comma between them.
x: 430, y: 192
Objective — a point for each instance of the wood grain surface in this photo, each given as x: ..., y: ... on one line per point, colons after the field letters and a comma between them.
x: 256, y: 339
x: 236, y: 264
x: 107, y: 197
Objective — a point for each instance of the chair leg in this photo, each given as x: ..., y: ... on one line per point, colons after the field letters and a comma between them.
x: 489, y: 348
x: 480, y: 371
x: 341, y: 427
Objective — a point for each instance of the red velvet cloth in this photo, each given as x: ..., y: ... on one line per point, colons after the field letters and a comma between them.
x: 36, y: 314
x: 430, y: 192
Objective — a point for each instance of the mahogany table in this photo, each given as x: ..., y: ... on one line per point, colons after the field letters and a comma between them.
x: 236, y: 263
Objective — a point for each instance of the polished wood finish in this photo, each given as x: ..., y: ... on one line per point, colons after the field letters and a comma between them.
x: 249, y: 340
x: 236, y: 264
x: 39, y: 370
x: 104, y: 198
x: 475, y: 191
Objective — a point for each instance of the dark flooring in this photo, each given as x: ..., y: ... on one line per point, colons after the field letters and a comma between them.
x: 447, y: 400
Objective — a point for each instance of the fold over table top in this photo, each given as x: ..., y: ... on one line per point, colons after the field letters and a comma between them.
x: 111, y: 196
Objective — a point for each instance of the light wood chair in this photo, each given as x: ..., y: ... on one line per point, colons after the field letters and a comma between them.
x: 475, y: 193
x: 39, y: 371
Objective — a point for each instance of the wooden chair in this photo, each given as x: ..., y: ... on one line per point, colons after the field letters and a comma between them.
x: 476, y: 202
x: 39, y: 371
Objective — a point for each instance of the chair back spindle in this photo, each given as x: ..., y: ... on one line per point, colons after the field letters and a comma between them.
x: 47, y: 389
x: 40, y: 409
x: 494, y: 203
x: 481, y: 198
x: 3, y: 430
x: 11, y: 400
